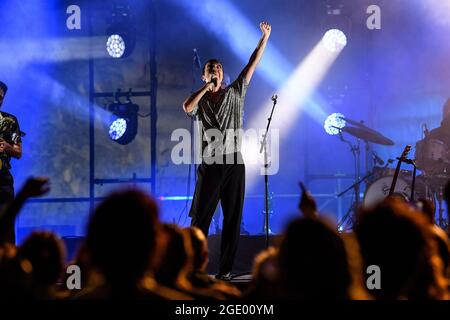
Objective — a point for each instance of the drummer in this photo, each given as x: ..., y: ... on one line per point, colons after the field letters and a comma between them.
x: 442, y: 132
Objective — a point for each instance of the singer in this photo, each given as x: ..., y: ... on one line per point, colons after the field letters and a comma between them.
x: 221, y: 175
x: 10, y: 146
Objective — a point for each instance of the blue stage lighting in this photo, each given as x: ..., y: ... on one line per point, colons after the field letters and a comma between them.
x: 117, y: 129
x: 334, y: 40
x: 334, y: 123
x: 115, y: 46
x: 121, y: 33
x: 123, y: 128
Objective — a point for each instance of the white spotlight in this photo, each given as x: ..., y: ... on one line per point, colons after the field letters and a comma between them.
x: 334, y: 123
x: 115, y: 46
x: 334, y: 40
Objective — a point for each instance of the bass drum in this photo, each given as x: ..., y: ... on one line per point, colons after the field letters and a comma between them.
x: 379, y: 190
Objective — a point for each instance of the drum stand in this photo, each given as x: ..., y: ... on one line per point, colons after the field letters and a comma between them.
x: 354, y: 206
x: 440, y: 197
x: 356, y: 151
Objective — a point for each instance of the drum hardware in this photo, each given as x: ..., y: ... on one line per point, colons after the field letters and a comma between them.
x: 397, y: 184
x: 435, y: 183
x: 433, y: 159
x: 354, y: 206
x: 365, y: 133
x: 361, y: 132
x: 356, y: 152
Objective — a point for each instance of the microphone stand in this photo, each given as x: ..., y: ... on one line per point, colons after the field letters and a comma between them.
x: 193, y: 155
x: 266, y: 176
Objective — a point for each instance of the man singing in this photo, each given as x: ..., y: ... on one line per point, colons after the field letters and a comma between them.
x: 10, y: 146
x: 221, y: 175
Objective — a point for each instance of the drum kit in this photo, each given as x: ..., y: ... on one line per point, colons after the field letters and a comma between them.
x: 432, y: 157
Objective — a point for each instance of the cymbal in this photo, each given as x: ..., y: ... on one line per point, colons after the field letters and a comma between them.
x: 368, y: 135
x: 355, y: 123
x: 359, y: 124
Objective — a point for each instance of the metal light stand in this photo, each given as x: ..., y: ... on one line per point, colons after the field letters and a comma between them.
x: 266, y: 176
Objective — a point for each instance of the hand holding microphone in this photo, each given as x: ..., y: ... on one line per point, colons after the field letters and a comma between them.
x: 212, y: 84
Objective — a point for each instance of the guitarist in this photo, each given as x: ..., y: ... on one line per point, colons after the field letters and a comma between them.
x: 10, y: 146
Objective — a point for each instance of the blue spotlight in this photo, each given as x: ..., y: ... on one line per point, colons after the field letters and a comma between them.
x: 117, y: 129
x: 334, y: 123
x: 123, y: 128
x: 334, y: 40
x: 115, y: 46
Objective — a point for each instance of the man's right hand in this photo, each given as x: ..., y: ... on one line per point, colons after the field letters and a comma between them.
x: 210, y: 86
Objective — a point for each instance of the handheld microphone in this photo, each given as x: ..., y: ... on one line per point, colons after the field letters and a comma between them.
x: 214, y: 80
x: 197, y: 62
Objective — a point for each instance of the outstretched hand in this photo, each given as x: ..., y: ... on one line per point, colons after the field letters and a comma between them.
x: 307, y: 203
x: 265, y: 29
x: 35, y: 187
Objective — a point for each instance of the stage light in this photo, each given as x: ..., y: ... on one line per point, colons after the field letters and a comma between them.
x: 121, y: 33
x: 334, y: 40
x: 123, y: 127
x: 296, y: 95
x: 115, y: 46
x: 117, y: 129
x: 334, y: 123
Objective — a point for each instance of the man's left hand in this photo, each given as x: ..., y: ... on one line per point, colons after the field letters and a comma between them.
x: 265, y: 29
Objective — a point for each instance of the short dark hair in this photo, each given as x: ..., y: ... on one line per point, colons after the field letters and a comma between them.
x: 121, y: 235
x: 211, y: 61
x: 4, y: 87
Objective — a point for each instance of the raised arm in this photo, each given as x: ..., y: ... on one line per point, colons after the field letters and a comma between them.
x: 249, y: 69
x: 34, y: 187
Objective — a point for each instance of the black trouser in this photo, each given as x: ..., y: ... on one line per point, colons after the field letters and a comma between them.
x: 224, y: 182
x: 6, y: 196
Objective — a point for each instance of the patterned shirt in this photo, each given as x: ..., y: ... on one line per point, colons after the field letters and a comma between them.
x: 225, y: 115
x: 10, y: 132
